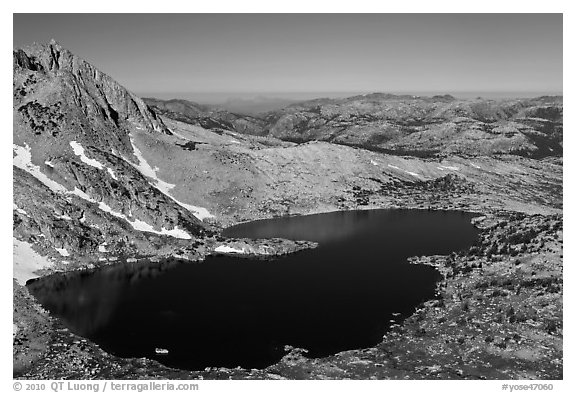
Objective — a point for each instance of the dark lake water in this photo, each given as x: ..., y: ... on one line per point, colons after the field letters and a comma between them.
x: 229, y: 312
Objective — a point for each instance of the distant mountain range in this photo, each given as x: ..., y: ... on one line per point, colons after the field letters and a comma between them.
x: 399, y: 124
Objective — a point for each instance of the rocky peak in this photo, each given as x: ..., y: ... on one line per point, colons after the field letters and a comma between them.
x: 86, y: 84
x: 45, y: 57
x: 73, y: 133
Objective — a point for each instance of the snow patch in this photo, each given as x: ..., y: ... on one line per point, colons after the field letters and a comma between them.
x: 48, y: 163
x: 26, y: 261
x: 23, y: 160
x: 64, y: 217
x: 374, y: 163
x: 63, y: 252
x: 102, y: 248
x: 136, y: 224
x: 199, y: 212
x: 148, y: 171
x: 229, y: 250
x: 164, y: 187
x: 408, y: 172
x: 452, y: 168
x: 475, y: 166
x: 79, y: 151
x: 21, y: 211
x: 112, y: 174
x: 82, y: 195
x: 140, y: 225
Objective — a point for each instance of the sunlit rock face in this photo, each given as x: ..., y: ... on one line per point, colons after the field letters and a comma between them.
x: 77, y: 173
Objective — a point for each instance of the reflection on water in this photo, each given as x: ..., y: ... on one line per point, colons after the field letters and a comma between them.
x: 321, y: 228
x: 236, y: 312
x: 88, y: 299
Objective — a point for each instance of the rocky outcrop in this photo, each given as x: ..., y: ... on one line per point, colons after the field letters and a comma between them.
x: 103, y: 100
x: 74, y: 232
x: 261, y: 248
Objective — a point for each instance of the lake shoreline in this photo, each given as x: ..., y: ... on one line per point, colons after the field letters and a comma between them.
x: 107, y: 366
x: 323, y: 300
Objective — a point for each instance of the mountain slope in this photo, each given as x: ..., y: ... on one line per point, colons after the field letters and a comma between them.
x: 73, y: 151
x: 208, y: 117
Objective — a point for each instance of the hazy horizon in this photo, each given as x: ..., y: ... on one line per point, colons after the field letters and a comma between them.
x: 222, y: 97
x: 271, y: 54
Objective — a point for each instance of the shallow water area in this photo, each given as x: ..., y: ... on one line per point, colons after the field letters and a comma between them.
x: 229, y: 312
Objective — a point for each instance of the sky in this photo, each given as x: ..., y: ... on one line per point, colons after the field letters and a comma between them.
x: 179, y: 54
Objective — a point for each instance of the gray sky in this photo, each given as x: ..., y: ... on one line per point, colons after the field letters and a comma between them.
x: 268, y: 53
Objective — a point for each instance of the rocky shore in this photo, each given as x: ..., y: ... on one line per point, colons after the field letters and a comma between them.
x: 500, y: 302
